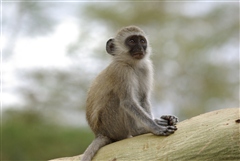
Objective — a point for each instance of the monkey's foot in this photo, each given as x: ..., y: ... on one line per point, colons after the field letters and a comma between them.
x: 164, y: 130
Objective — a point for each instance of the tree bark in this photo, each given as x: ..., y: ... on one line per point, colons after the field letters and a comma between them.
x: 207, y: 137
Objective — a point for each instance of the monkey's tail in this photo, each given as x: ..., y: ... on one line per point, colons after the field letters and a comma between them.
x: 92, y: 149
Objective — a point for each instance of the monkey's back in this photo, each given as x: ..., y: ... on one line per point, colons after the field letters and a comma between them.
x: 104, y: 113
x: 103, y: 110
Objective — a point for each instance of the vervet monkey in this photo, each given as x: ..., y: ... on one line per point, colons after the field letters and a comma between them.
x: 118, y: 104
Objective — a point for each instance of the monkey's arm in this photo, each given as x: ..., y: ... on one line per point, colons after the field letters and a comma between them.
x: 135, y: 110
x: 145, y: 104
x: 165, y: 120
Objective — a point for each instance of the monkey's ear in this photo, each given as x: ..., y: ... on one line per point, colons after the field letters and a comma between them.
x: 110, y: 47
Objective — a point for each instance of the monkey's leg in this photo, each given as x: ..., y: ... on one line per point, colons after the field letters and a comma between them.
x: 167, y: 120
x: 92, y: 149
x: 139, y: 131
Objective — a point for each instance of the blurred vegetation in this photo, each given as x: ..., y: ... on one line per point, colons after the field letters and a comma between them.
x: 195, y: 55
x: 27, y: 136
x: 193, y: 69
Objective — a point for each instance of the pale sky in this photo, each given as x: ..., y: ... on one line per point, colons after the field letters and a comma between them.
x: 30, y: 53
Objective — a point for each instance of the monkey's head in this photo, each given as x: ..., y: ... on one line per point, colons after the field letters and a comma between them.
x: 129, y: 42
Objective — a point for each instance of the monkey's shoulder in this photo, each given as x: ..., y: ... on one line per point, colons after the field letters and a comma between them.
x: 117, y: 71
x: 118, y: 75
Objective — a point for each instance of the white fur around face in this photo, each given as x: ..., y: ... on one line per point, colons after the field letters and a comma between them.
x: 121, y: 52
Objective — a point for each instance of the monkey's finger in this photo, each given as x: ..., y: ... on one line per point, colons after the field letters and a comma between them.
x: 166, y: 117
x: 161, y: 122
x: 169, y: 117
x: 172, y: 120
x: 164, y: 133
x: 172, y: 128
x: 169, y: 132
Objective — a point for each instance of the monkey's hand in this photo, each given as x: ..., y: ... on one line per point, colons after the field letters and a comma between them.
x: 167, y: 120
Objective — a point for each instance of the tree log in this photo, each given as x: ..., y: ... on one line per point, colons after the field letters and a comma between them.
x: 210, y: 136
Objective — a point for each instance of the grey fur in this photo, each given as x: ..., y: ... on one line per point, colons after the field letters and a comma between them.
x: 118, y: 104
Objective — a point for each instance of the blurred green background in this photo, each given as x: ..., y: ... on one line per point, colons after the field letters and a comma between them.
x: 51, y: 51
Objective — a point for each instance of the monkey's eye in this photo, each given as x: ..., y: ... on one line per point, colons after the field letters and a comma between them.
x: 131, y: 41
x: 143, y: 41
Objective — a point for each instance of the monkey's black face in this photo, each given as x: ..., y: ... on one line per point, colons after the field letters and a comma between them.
x: 137, y: 45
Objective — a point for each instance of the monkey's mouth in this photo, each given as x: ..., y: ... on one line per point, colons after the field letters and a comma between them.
x: 139, y: 55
